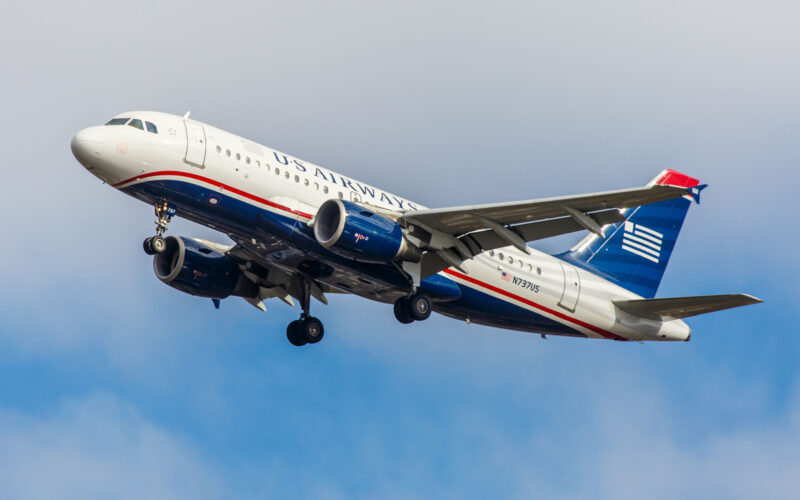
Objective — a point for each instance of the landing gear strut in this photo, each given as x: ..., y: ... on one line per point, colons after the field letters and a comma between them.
x: 416, y: 307
x: 307, y: 329
x: 156, y: 244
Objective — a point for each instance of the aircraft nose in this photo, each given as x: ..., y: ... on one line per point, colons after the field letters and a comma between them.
x: 87, y: 145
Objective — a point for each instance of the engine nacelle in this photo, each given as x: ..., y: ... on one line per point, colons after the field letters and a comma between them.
x: 351, y: 230
x: 193, y: 268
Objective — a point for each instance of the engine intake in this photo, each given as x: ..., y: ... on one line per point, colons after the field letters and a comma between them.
x: 193, y: 268
x: 351, y: 230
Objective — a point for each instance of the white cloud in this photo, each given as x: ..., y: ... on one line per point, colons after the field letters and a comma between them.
x: 98, y: 447
x: 648, y: 456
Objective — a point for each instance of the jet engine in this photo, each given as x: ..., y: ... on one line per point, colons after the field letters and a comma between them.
x: 193, y: 268
x: 352, y: 231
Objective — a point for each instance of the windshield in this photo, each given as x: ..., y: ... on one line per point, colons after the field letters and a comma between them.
x: 118, y: 121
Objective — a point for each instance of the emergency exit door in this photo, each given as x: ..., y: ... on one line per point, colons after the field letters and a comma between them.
x: 195, y: 144
x: 572, y: 287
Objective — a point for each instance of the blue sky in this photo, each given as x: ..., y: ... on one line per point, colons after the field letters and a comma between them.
x: 114, y: 385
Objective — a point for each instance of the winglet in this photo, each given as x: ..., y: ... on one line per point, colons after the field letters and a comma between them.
x: 669, y: 177
x: 694, y: 192
x: 216, y: 303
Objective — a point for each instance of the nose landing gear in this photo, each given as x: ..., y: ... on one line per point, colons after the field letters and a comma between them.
x: 416, y: 307
x: 307, y: 329
x: 156, y: 244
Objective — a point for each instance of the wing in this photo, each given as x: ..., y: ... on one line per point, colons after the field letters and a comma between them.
x: 452, y: 235
x: 683, y: 307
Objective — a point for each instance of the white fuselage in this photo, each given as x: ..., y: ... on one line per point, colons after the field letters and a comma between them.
x: 195, y: 152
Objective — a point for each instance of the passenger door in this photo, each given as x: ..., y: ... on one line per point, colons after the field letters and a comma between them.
x: 195, y: 144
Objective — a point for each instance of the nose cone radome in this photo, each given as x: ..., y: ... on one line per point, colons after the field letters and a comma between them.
x: 87, y: 146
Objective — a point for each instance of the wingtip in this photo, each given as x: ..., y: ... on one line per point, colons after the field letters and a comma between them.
x: 752, y: 299
x: 694, y: 192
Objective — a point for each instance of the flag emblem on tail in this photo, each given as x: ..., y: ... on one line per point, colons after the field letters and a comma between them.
x: 642, y: 241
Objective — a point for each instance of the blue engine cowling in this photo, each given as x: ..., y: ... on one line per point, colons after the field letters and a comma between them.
x: 351, y: 230
x: 196, y: 269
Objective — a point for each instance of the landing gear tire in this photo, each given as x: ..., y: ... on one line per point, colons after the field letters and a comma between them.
x: 295, y: 334
x: 312, y: 329
x: 401, y: 311
x: 157, y: 244
x: 148, y: 248
x: 419, y: 306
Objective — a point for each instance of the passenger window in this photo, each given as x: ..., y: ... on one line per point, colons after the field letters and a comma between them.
x: 305, y: 182
x: 247, y: 160
x: 118, y: 121
x: 219, y: 149
x: 286, y: 173
x: 136, y: 123
x: 510, y: 259
x: 258, y: 163
x: 297, y: 178
x: 341, y: 196
x: 277, y: 171
x: 267, y: 165
x: 491, y: 253
x: 530, y: 268
x: 151, y: 128
x: 238, y: 156
x: 325, y: 189
x: 228, y: 152
x: 539, y: 271
x: 500, y: 256
x: 316, y: 186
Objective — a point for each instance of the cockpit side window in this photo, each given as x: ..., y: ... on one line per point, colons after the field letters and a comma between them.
x: 118, y: 121
x: 151, y: 128
x: 136, y: 123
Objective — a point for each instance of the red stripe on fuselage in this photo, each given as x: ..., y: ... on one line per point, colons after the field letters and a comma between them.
x: 177, y: 173
x: 558, y: 314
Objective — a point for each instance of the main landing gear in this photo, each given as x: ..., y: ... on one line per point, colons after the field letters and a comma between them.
x: 156, y: 244
x: 307, y: 329
x: 416, y: 307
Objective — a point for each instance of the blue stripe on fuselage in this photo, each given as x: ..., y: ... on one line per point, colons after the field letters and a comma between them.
x: 225, y: 213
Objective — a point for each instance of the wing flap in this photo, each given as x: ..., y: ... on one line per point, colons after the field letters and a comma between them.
x: 683, y: 307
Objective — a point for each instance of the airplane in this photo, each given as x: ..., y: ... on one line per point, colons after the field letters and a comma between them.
x: 301, y: 231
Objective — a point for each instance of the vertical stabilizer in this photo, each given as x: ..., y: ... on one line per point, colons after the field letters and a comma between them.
x: 634, y: 253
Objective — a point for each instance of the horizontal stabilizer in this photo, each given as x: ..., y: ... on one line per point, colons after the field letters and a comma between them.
x: 683, y: 307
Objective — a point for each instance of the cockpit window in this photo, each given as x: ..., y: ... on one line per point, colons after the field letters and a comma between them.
x: 151, y: 128
x: 118, y: 121
x: 136, y: 123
